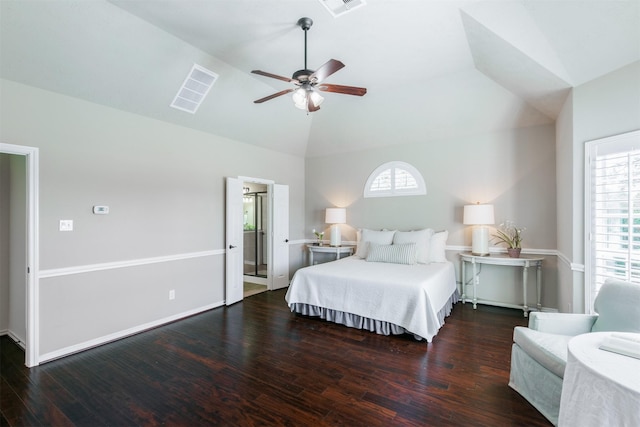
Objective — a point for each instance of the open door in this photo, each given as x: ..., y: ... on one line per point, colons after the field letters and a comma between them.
x: 234, y: 250
x: 280, y: 249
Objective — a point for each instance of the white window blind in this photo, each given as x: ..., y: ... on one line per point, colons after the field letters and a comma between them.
x: 382, y: 182
x: 404, y: 180
x: 395, y: 179
x: 614, y: 212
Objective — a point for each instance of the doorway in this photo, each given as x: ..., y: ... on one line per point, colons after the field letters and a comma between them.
x: 255, y: 223
x: 13, y: 244
x: 21, y: 217
x: 277, y: 237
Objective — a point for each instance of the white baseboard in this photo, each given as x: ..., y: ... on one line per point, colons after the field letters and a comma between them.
x: 123, y: 334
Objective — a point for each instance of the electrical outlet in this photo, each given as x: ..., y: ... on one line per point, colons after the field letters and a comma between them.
x: 172, y: 294
x: 66, y: 225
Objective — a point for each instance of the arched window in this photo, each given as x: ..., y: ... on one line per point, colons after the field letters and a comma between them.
x: 395, y: 179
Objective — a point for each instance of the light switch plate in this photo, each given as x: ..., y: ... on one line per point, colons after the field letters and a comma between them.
x: 66, y: 225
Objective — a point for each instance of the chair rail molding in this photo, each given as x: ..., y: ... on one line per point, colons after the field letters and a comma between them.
x: 66, y: 271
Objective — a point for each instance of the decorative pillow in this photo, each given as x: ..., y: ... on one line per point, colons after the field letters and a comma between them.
x: 404, y: 253
x: 373, y: 236
x: 422, y: 239
x: 437, y: 246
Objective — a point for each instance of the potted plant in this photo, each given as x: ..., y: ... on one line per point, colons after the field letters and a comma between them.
x: 509, y: 234
x: 319, y: 236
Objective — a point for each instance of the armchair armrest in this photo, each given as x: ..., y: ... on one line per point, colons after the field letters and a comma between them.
x: 562, y: 323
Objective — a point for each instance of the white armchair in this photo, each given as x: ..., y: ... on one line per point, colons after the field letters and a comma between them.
x: 539, y: 352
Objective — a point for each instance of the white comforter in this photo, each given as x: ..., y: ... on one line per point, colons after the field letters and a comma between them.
x: 406, y: 295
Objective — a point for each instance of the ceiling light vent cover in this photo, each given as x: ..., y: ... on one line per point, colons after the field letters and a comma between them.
x: 194, y: 89
x: 340, y: 7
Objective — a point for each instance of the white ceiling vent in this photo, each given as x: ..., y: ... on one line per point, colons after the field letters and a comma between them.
x: 194, y: 89
x: 340, y: 7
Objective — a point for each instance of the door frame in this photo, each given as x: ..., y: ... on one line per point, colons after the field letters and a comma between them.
x: 32, y: 158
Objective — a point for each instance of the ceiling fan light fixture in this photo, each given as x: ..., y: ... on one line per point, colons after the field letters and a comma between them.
x: 300, y: 98
x: 301, y: 95
x: 316, y: 98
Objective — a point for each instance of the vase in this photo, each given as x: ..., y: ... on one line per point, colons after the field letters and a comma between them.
x: 514, y: 252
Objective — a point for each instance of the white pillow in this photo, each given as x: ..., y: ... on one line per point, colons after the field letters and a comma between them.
x: 422, y: 239
x: 373, y: 236
x: 404, y: 253
x: 437, y: 247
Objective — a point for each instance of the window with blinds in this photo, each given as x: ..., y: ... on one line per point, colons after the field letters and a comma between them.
x: 394, y: 179
x: 614, y: 217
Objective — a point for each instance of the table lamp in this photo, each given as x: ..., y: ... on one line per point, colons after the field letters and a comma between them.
x: 479, y: 216
x: 335, y: 216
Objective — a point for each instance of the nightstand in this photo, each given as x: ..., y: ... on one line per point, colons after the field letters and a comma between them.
x: 338, y: 250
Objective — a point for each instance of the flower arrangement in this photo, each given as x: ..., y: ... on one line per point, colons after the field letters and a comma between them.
x: 319, y: 235
x: 509, y: 234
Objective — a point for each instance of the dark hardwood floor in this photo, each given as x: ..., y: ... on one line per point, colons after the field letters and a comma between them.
x: 255, y: 363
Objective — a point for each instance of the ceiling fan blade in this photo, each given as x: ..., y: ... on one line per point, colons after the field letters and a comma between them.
x: 325, y: 70
x: 347, y: 90
x: 275, y: 95
x: 273, y: 76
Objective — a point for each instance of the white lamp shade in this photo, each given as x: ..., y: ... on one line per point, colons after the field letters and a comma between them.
x: 335, y: 216
x: 478, y: 215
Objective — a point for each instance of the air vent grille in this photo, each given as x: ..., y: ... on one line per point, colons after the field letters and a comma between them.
x: 340, y: 7
x: 194, y: 89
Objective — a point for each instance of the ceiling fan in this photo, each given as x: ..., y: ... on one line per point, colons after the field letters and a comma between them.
x: 309, y: 82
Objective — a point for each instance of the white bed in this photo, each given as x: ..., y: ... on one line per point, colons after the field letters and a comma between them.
x: 386, y: 298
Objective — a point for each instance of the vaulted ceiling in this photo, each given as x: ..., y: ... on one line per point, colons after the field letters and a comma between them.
x: 433, y: 69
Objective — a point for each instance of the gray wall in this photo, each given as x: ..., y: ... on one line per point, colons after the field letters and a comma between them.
x: 165, y: 186
x: 607, y: 106
x: 514, y: 170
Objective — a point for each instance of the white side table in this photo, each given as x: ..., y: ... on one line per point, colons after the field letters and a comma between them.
x: 600, y: 388
x: 338, y: 250
x: 500, y: 259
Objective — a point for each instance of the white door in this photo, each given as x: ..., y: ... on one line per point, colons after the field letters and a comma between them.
x: 234, y: 252
x: 279, y: 276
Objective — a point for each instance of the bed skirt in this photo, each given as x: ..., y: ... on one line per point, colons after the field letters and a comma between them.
x: 372, y: 325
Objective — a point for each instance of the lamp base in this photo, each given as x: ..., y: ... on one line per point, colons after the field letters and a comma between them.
x: 336, y: 238
x: 480, y: 241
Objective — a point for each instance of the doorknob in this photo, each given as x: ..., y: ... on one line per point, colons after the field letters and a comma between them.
x: 286, y: 240
x: 231, y: 246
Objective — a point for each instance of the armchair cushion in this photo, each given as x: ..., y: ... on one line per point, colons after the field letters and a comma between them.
x: 548, y: 349
x: 561, y: 323
x: 618, y: 307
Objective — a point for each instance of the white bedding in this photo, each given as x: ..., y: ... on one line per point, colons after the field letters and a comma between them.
x: 411, y: 296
